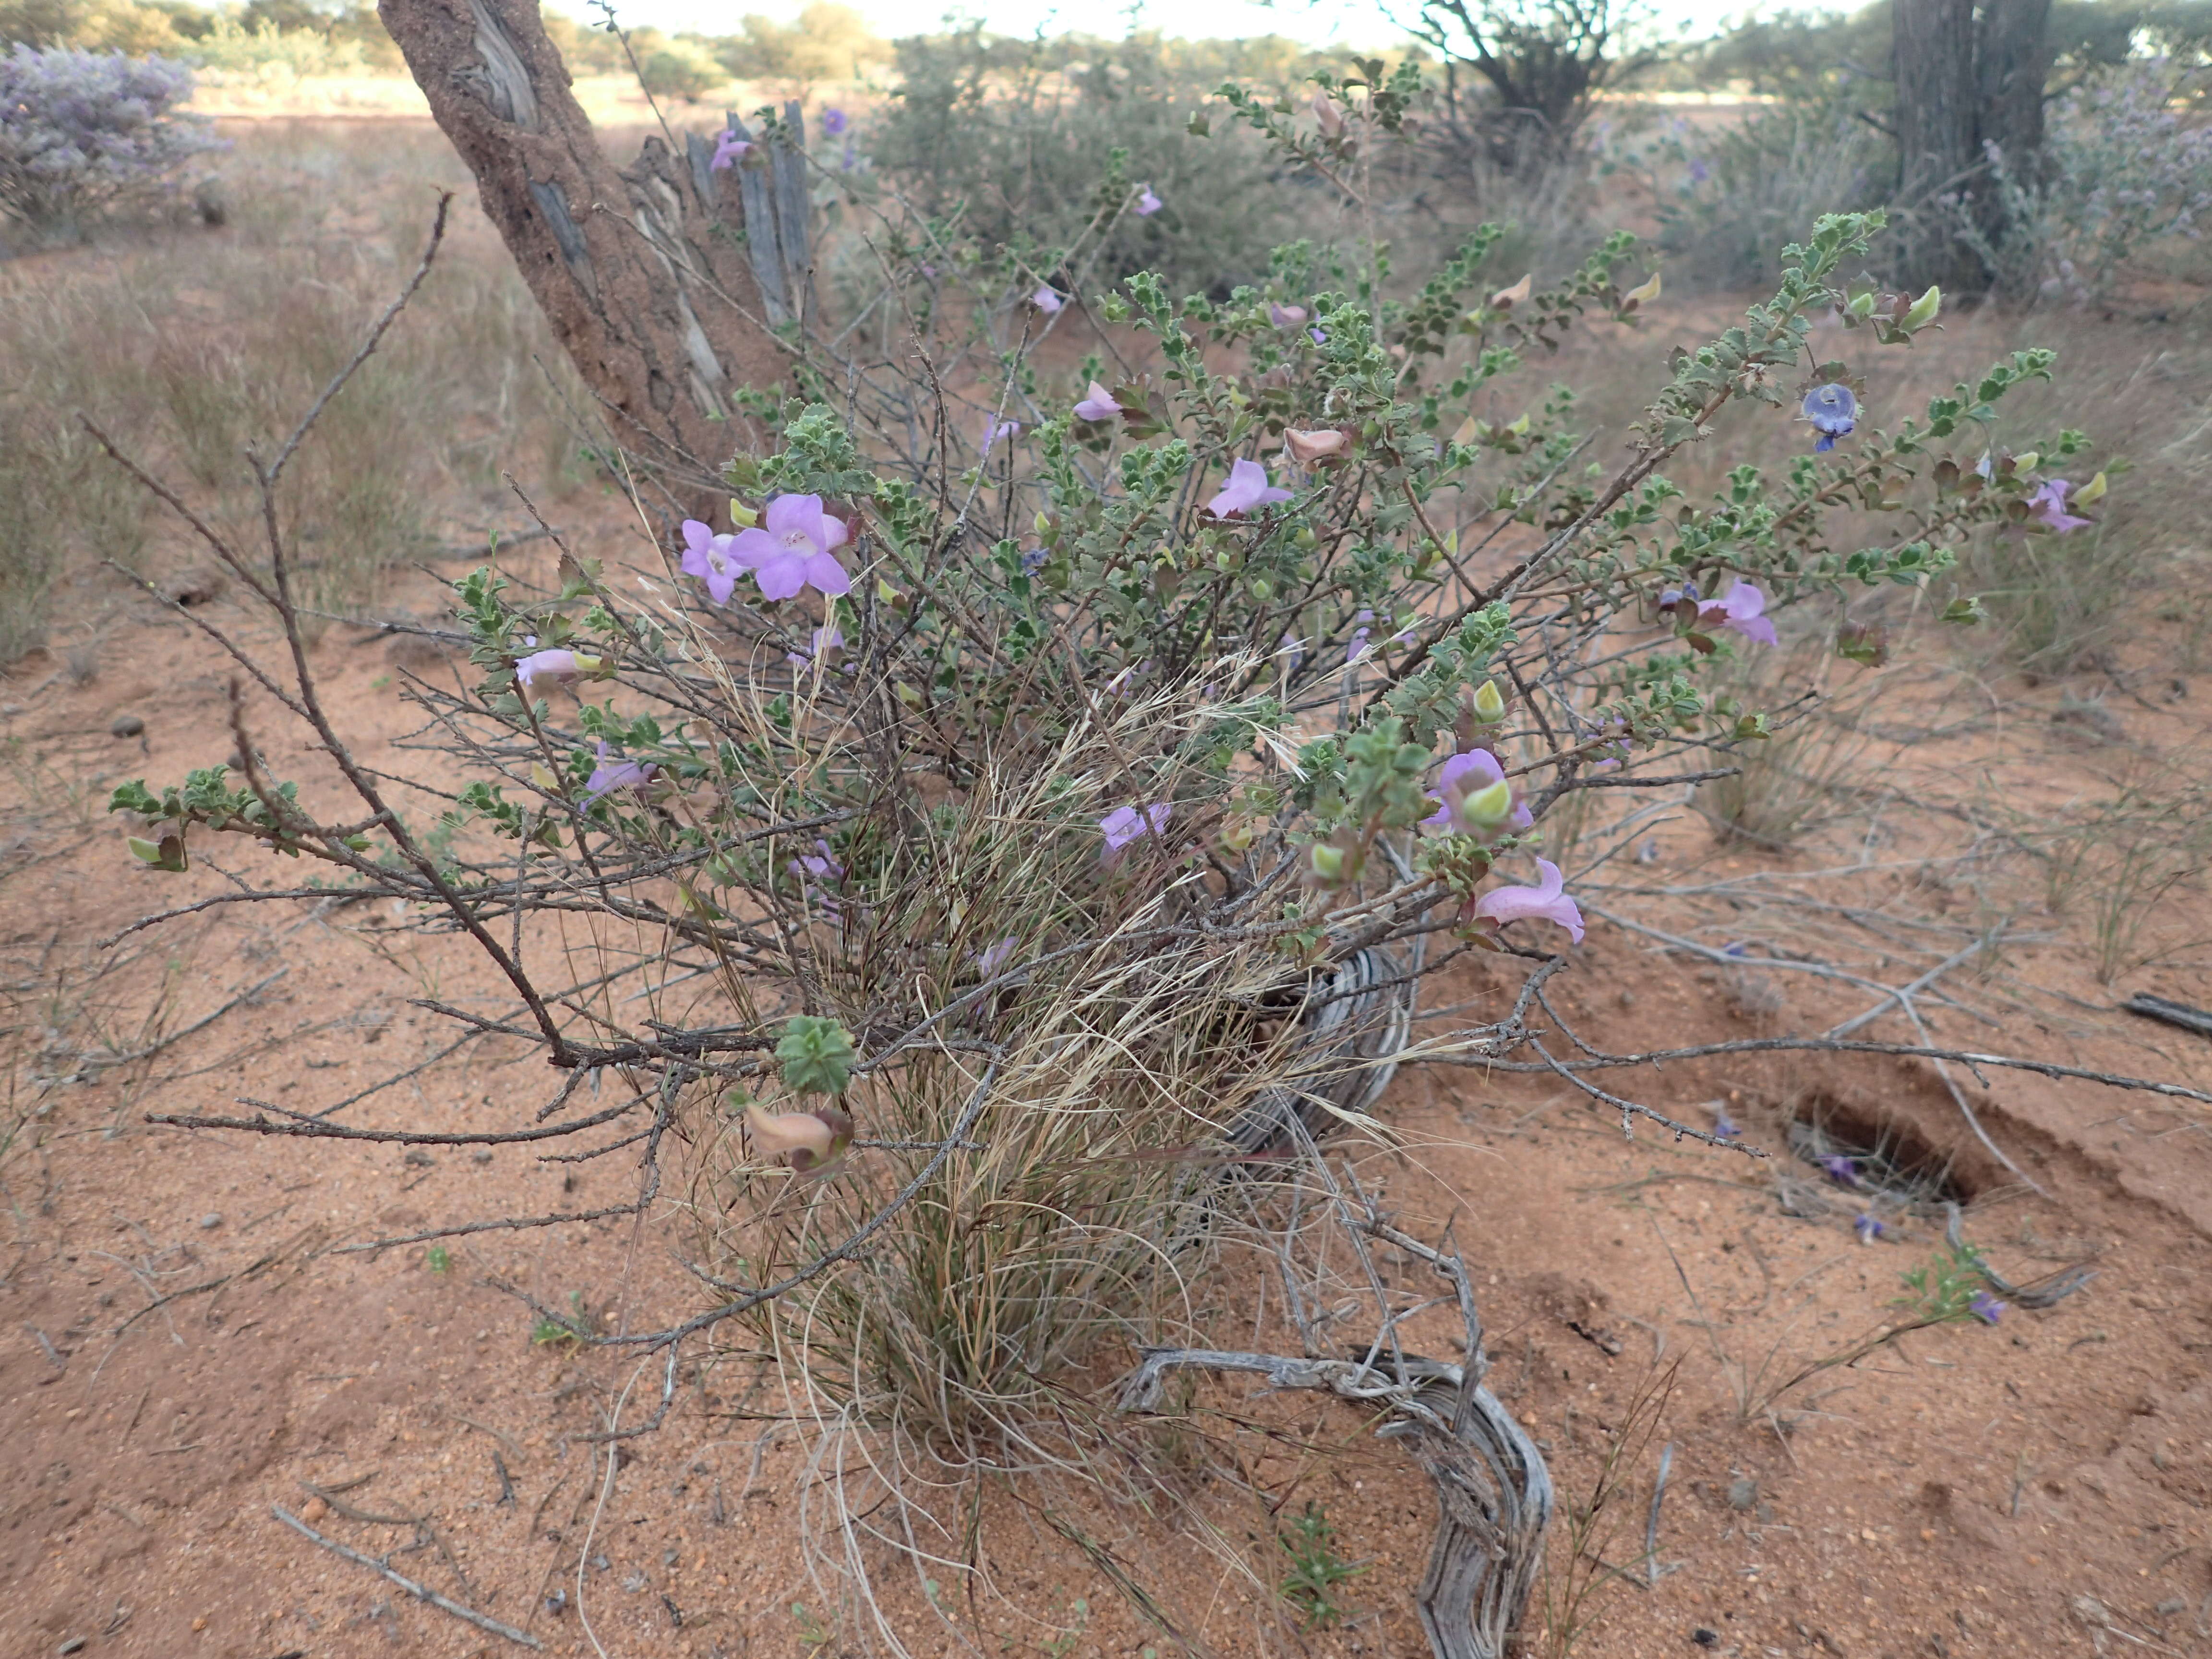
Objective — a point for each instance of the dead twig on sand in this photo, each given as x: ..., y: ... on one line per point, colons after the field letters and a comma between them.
x: 420, y: 1592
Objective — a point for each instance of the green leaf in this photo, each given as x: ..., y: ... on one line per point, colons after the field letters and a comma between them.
x: 816, y: 1054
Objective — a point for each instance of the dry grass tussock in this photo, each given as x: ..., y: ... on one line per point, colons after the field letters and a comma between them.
x: 190, y: 344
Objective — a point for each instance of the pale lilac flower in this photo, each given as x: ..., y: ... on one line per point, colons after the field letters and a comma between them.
x: 1099, y: 406
x: 995, y: 430
x: 1034, y: 559
x: 1126, y: 824
x: 1295, y: 649
x: 824, y: 640
x: 1466, y: 775
x: 728, y: 149
x: 1147, y: 203
x: 1843, y: 1171
x: 714, y: 559
x: 1046, y: 301
x: 1318, y: 337
x: 1358, y: 648
x: 1868, y: 1227
x: 1546, y: 902
x: 615, y: 772
x: 990, y: 960
x: 1699, y: 171
x: 1727, y: 1127
x: 2049, y: 504
x: 1248, y: 488
x: 1987, y: 1308
x: 791, y: 549
x: 833, y: 121
x: 1671, y: 596
x: 818, y: 864
x: 1740, y: 609
x: 551, y: 667
x: 1285, y: 316
x: 1833, y: 412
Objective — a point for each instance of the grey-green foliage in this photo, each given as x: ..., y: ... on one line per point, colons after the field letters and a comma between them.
x: 1007, y: 138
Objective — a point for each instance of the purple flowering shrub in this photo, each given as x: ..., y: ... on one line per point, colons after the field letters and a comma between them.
x: 87, y: 133
x: 2126, y: 170
x: 1028, y: 793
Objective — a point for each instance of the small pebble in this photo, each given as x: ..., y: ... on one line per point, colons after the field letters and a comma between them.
x: 1706, y: 1638
x: 212, y: 1219
x: 125, y: 725
x: 314, y: 1510
x: 1742, y: 1494
x: 72, y: 1646
x: 481, y: 1155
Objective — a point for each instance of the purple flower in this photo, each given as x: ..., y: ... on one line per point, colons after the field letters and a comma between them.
x: 1285, y: 316
x: 551, y: 667
x: 1046, y: 301
x: 1318, y: 337
x: 1034, y: 559
x: 1126, y: 824
x: 1833, y: 412
x: 1727, y: 1127
x: 615, y: 774
x: 995, y: 430
x: 2049, y: 504
x: 833, y: 121
x: 791, y: 549
x: 1699, y: 171
x: 1248, y: 488
x: 714, y: 559
x: 1358, y: 648
x: 1843, y: 1171
x: 1671, y: 596
x: 1868, y: 1228
x: 817, y: 865
x: 990, y: 960
x: 1099, y: 406
x: 1463, y: 777
x: 1740, y: 609
x: 1147, y: 203
x: 1987, y: 1308
x: 728, y: 149
x: 824, y: 640
x: 1547, y: 902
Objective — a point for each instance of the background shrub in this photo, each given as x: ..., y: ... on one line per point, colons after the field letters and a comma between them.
x: 87, y: 133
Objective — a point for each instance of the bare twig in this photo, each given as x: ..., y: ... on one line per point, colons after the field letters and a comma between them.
x: 420, y: 1592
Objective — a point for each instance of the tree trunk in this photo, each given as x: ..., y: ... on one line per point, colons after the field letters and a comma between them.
x: 1937, y: 154
x: 2012, y: 62
x: 643, y: 274
x: 1965, y: 88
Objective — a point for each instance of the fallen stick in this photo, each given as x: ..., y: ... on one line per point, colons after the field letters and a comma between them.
x: 420, y: 1592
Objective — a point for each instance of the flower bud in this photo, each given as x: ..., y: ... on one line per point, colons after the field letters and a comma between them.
x: 1506, y: 298
x: 2092, y: 491
x: 1484, y: 809
x: 2025, y: 463
x: 741, y: 515
x: 1489, y: 703
x: 1307, y: 448
x: 1924, y: 308
x: 1641, y: 296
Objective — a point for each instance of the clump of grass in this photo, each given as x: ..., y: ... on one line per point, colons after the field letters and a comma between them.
x: 1576, y: 1568
x: 2056, y: 603
x: 1788, y: 785
x: 2115, y: 867
x: 187, y: 344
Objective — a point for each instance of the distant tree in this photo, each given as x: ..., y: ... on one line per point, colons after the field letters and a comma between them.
x: 1543, y: 62
x: 826, y: 42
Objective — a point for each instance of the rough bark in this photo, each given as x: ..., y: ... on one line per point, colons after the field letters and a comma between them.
x: 1937, y: 151
x: 2012, y: 62
x: 643, y: 272
x: 1966, y: 85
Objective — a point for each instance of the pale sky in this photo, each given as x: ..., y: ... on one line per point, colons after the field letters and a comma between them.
x: 1344, y: 23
